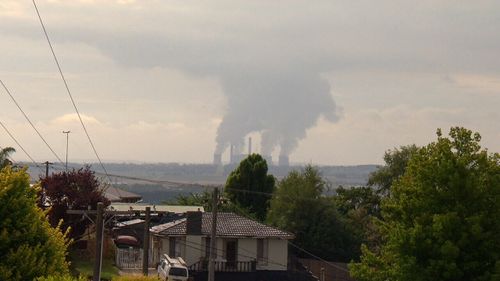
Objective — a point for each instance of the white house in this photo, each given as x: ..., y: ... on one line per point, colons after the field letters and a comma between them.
x: 242, y: 244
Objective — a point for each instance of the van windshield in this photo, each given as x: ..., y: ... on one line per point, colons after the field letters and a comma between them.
x: 177, y: 271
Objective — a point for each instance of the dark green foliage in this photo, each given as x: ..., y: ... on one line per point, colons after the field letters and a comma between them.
x: 299, y: 207
x: 77, y: 190
x: 442, y: 219
x: 395, y: 165
x: 249, y: 186
x: 360, y: 207
x: 194, y: 199
x: 29, y: 246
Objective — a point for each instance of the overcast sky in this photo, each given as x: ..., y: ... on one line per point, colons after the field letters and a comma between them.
x: 154, y: 79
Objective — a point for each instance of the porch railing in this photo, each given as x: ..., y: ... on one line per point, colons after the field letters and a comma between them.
x: 225, y: 266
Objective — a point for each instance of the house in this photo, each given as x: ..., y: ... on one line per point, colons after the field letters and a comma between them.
x: 243, y: 245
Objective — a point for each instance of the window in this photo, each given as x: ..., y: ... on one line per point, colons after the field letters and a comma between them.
x: 262, y: 251
x: 175, y: 246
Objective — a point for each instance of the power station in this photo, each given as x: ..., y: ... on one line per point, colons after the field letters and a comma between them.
x: 235, y: 158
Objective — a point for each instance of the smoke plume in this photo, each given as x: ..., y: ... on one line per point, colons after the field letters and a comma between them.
x: 282, y: 106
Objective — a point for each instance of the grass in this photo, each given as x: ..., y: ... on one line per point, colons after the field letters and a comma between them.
x: 85, y: 266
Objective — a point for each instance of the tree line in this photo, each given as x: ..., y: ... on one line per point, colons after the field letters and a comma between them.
x: 430, y: 213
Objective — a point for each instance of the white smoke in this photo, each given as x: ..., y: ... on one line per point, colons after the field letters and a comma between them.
x: 282, y: 106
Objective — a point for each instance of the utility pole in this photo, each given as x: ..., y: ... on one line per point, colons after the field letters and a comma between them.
x: 98, y: 242
x: 145, y: 245
x: 213, y: 237
x: 44, y: 188
x: 67, y: 139
x: 47, y: 163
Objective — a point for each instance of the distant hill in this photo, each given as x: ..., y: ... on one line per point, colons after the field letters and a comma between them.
x: 204, y: 174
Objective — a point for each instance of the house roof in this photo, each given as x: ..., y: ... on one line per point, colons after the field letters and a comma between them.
x: 228, y: 225
x: 129, y: 223
x: 116, y: 194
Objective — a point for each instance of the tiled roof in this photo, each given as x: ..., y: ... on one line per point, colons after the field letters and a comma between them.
x: 228, y: 225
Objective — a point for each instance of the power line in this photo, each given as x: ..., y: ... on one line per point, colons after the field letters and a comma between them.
x: 238, y: 254
x: 20, y: 146
x: 29, y: 121
x: 69, y: 91
x: 314, y: 256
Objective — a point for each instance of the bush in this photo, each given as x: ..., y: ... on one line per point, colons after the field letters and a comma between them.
x: 29, y: 246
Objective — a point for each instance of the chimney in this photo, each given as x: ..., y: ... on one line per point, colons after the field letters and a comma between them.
x: 283, y: 161
x: 249, y: 145
x: 217, y: 159
x: 231, y: 160
x: 193, y: 223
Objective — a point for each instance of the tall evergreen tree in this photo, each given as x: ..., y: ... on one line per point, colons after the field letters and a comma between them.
x: 29, y: 246
x: 249, y: 186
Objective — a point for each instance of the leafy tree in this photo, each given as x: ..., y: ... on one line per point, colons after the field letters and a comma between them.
x: 29, y: 246
x: 75, y: 189
x: 4, y: 156
x: 299, y: 207
x: 360, y: 206
x: 442, y: 219
x: 395, y: 165
x: 205, y: 199
x: 194, y: 199
x: 249, y: 186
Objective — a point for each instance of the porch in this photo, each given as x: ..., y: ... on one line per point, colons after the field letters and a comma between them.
x: 225, y: 266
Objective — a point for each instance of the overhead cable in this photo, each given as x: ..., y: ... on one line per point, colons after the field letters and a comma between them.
x: 20, y: 146
x: 69, y: 91
x: 29, y: 121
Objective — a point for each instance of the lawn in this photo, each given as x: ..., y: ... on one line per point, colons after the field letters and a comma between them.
x: 85, y: 266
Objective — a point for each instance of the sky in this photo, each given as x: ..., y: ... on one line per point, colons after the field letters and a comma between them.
x: 325, y: 82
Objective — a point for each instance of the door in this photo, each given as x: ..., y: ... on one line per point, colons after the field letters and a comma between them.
x: 231, y: 253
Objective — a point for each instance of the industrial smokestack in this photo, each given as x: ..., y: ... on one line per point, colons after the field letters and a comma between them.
x: 269, y: 159
x: 284, y: 161
x: 249, y: 145
x: 231, y: 157
x: 217, y: 159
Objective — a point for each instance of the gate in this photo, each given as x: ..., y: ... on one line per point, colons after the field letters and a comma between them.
x: 131, y: 258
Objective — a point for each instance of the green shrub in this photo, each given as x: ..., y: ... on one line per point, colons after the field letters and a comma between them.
x: 29, y: 246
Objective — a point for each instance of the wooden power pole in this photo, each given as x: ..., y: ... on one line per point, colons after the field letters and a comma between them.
x: 213, y: 237
x: 145, y: 245
x: 98, y: 242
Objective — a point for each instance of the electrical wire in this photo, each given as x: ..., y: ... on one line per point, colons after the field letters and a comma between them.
x: 68, y: 90
x: 238, y: 254
x: 29, y: 121
x: 315, y: 256
x: 20, y: 146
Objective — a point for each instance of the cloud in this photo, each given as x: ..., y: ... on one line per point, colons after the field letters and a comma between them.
x: 72, y: 118
x: 478, y: 83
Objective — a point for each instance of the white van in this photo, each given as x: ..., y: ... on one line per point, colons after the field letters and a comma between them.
x: 172, y: 269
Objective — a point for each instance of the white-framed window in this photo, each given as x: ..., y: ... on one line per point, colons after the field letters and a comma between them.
x: 262, y: 251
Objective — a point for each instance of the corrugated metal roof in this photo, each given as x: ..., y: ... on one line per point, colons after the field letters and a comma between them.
x: 158, y: 208
x: 228, y: 225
